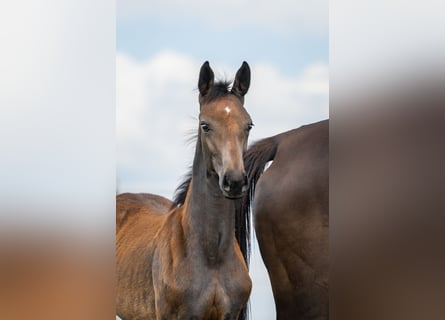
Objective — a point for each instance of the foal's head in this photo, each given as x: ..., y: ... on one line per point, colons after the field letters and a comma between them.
x: 224, y: 128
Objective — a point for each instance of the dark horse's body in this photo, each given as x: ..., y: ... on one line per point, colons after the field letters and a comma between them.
x: 181, y: 260
x: 290, y: 211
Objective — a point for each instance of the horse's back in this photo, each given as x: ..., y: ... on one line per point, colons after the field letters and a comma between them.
x: 299, y: 175
x: 130, y: 204
x: 139, y: 217
x: 291, y: 221
x: 300, y: 167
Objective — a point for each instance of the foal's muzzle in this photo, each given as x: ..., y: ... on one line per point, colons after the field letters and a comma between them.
x: 234, y: 184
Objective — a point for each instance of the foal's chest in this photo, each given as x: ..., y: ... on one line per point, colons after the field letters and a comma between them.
x: 204, y: 293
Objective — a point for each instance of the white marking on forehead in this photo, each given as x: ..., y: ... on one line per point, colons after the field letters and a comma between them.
x: 227, y: 108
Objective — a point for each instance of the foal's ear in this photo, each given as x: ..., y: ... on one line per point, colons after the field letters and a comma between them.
x: 242, y: 80
x: 206, y: 78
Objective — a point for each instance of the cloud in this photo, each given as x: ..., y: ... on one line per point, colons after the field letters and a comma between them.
x: 283, y: 16
x: 157, y: 107
x: 280, y: 102
x: 155, y: 101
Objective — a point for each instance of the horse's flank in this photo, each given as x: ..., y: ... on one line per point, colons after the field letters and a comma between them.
x: 290, y: 211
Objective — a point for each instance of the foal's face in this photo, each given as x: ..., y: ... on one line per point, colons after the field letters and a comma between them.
x: 225, y: 126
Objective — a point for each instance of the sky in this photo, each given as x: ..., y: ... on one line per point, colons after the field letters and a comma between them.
x: 161, y: 46
x: 57, y: 103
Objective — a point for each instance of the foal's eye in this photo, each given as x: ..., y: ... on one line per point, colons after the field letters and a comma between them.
x: 205, y: 126
x: 249, y: 126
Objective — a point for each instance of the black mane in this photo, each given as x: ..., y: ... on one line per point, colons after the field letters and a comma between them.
x: 181, y: 190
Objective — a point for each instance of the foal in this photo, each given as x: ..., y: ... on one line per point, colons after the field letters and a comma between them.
x: 186, y: 263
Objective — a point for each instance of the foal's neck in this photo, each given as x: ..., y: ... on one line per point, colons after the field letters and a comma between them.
x: 210, y: 216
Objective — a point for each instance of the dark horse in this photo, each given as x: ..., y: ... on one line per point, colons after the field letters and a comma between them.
x: 290, y: 211
x: 181, y: 260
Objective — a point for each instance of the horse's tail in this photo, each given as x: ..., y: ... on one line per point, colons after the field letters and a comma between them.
x: 255, y: 159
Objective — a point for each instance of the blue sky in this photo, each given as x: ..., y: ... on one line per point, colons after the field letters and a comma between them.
x: 143, y: 37
x: 162, y: 44
x: 160, y: 48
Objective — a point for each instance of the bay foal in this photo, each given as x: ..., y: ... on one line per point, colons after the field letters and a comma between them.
x: 185, y: 263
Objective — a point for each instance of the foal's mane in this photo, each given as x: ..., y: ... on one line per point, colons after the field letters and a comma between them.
x: 181, y: 190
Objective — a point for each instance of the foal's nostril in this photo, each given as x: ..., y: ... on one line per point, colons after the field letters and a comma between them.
x: 234, y: 183
x: 226, y: 183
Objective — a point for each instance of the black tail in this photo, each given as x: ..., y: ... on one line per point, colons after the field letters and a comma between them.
x: 255, y: 159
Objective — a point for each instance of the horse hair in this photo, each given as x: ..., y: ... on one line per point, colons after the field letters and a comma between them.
x: 219, y: 89
x: 181, y: 190
x: 255, y: 159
